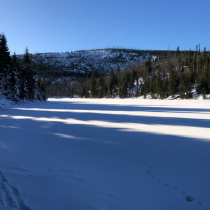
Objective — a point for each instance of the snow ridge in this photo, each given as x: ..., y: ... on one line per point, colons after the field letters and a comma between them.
x: 91, y: 60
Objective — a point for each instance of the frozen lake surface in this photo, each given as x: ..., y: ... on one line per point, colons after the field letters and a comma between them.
x: 108, y: 154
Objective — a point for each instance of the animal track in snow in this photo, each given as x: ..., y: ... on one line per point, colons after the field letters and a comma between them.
x: 149, y: 170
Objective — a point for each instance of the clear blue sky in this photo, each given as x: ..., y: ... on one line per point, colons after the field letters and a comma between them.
x: 69, y: 25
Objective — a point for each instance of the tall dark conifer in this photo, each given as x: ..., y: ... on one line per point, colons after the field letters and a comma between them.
x: 172, y: 83
x: 28, y: 82
x: 93, y: 85
x: 13, y: 80
x: 4, y: 64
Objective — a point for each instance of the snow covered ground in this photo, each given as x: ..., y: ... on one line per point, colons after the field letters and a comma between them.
x: 109, y: 154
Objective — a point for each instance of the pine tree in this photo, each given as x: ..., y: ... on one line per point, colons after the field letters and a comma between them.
x: 123, y: 87
x: 101, y: 85
x: 153, y: 90
x: 165, y: 88
x: 149, y: 64
x: 159, y: 85
x: 137, y: 92
x: 13, y: 80
x: 69, y: 89
x: 188, y: 87
x: 113, y: 82
x: 145, y: 88
x: 177, y: 51
x: 5, y: 61
x: 172, y: 83
x: 93, y: 85
x: 28, y: 81
x: 204, y: 94
x: 182, y: 86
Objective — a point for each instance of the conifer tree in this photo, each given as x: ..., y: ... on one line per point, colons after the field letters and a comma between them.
x: 69, y: 89
x: 13, y: 80
x: 153, y: 90
x: 182, y: 86
x: 177, y: 51
x: 101, y: 86
x: 165, y: 88
x: 123, y: 87
x: 41, y: 90
x: 172, y: 83
x: 149, y: 64
x: 113, y: 82
x: 28, y: 80
x: 137, y: 92
x: 93, y: 85
x: 159, y: 85
x: 4, y: 64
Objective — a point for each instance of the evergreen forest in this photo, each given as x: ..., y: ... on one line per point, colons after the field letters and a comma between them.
x: 18, y: 80
x: 161, y: 74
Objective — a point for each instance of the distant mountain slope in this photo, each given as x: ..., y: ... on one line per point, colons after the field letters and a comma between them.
x: 92, y: 60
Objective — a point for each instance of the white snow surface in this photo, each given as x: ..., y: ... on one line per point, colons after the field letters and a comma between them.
x: 105, y: 154
x: 91, y: 60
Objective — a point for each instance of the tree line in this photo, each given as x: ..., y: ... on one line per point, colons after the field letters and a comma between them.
x: 18, y: 80
x: 163, y: 74
x: 177, y: 75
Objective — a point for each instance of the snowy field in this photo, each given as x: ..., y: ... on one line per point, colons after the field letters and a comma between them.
x: 110, y: 154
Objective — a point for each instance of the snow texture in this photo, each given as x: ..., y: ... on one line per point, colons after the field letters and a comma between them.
x: 105, y: 154
x: 90, y: 60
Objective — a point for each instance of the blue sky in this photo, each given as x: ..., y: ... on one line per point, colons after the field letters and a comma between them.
x: 69, y: 25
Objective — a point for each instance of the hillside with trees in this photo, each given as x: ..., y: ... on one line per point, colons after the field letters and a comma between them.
x: 155, y: 74
x: 100, y: 73
x: 183, y: 74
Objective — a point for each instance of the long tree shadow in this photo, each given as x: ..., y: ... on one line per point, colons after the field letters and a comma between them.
x: 178, y: 162
x: 122, y: 107
x: 113, y: 117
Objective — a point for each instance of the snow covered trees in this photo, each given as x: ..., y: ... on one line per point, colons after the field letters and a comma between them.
x: 182, y: 74
x: 4, y: 64
x: 18, y: 82
x: 13, y: 80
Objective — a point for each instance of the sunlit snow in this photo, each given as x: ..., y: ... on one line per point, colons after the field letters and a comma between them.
x: 112, y: 154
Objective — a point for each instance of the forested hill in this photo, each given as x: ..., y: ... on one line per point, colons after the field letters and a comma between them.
x: 86, y: 61
x: 104, y: 73
x: 83, y: 63
x: 125, y: 73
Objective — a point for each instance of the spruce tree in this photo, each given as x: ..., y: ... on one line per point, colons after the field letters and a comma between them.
x: 172, y: 83
x: 101, y: 86
x: 113, y: 82
x: 41, y: 90
x: 182, y: 86
x: 123, y: 87
x: 177, y: 51
x: 69, y: 89
x: 5, y: 61
x: 13, y: 80
x: 93, y: 85
x: 28, y: 78
x: 159, y: 86
x: 137, y: 92
x: 153, y: 90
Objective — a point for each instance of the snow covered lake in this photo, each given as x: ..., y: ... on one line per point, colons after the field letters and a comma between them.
x: 110, y: 154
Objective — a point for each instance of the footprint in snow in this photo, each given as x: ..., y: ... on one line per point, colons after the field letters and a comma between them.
x: 10, y: 195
